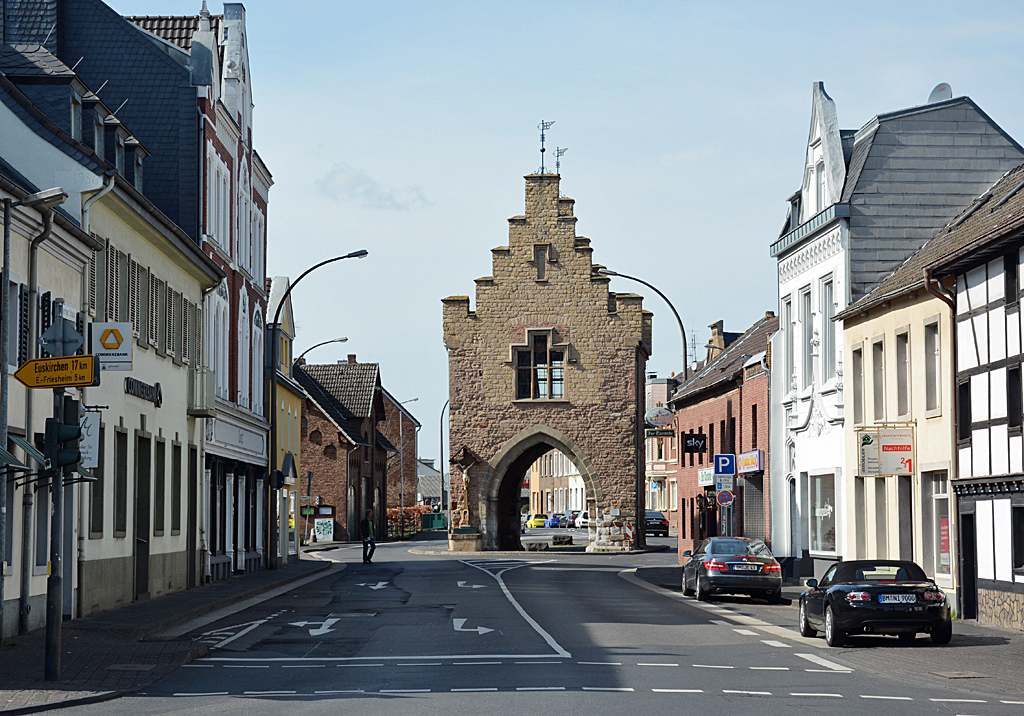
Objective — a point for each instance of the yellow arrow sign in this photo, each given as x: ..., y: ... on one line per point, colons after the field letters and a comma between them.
x: 67, y: 372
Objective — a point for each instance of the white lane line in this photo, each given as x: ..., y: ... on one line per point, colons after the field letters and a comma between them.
x: 345, y: 691
x: 304, y: 666
x: 711, y: 666
x: 422, y: 663
x: 489, y: 689
x: 198, y: 666
x: 745, y: 632
x: 1012, y: 702
x: 408, y: 657
x: 834, y: 696
x: 265, y: 693
x: 244, y: 666
x: 829, y: 671
x: 678, y: 691
x: 405, y: 691
x: 203, y: 693
x: 600, y: 663
x: 474, y: 663
x: 538, y: 662
x: 747, y: 693
x: 522, y: 612
x: 815, y: 659
x: 540, y: 688
x: 961, y: 701
x: 606, y: 688
x: 887, y: 698
x: 769, y: 668
x: 642, y: 664
x: 355, y: 665
x: 776, y: 644
x: 719, y: 622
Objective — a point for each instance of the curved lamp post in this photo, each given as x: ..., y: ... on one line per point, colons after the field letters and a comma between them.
x: 275, y: 360
x: 682, y: 331
x: 321, y: 343
x: 401, y: 459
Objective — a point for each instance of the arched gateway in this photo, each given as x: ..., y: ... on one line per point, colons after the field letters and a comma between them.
x: 549, y: 359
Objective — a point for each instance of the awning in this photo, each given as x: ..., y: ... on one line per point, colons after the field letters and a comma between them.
x: 9, y: 459
x: 32, y: 450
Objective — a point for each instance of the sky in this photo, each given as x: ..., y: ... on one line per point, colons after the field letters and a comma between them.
x: 405, y: 128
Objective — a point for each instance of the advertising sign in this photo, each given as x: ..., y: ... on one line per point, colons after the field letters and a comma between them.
x: 90, y: 444
x: 695, y: 442
x: 867, y: 441
x: 897, y: 448
x: 111, y: 343
x: 749, y: 462
x: 659, y: 417
x: 705, y: 477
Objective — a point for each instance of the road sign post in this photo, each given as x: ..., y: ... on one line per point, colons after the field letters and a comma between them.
x: 725, y: 471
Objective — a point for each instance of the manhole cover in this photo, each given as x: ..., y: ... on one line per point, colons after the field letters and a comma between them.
x: 131, y: 667
x: 960, y: 674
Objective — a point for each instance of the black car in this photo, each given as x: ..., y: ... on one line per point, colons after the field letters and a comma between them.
x: 732, y: 565
x: 568, y: 520
x: 875, y: 597
x: 656, y: 523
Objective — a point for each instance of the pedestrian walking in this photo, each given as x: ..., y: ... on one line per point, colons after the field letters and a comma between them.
x: 366, y: 531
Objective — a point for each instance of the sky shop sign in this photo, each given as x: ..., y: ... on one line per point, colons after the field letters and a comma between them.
x: 747, y: 462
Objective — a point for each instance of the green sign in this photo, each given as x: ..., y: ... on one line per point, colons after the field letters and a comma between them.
x: 307, y: 510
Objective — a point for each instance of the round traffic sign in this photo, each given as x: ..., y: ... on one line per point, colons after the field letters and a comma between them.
x: 725, y: 498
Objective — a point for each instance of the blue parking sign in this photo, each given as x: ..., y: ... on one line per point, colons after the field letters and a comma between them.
x: 725, y: 464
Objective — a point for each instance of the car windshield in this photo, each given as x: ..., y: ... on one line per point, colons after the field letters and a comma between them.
x: 655, y: 513
x: 880, y: 572
x: 739, y: 547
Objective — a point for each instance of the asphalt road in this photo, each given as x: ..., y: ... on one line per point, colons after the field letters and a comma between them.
x: 532, y: 633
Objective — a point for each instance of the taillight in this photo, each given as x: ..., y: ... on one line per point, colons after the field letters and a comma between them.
x: 716, y: 566
x: 772, y: 568
x: 858, y: 597
x: 934, y: 596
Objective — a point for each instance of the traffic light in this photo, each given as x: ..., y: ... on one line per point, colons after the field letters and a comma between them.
x: 60, y: 444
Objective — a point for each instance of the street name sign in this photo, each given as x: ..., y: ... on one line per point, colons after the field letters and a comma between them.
x: 68, y: 372
x: 660, y: 432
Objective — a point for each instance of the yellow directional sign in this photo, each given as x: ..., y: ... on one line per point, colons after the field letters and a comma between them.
x: 67, y: 372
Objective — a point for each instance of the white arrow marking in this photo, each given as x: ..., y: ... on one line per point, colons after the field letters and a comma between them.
x: 458, y: 624
x: 324, y: 628
x: 471, y: 586
x: 379, y: 585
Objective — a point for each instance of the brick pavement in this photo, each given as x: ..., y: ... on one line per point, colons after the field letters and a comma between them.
x: 106, y: 655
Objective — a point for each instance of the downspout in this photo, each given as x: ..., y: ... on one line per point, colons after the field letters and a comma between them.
x: 953, y: 457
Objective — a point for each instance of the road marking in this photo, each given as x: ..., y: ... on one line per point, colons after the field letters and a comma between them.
x: 834, y: 696
x: 244, y: 666
x: 829, y: 671
x: 405, y: 691
x: 678, y: 691
x: 719, y: 622
x: 1012, y: 702
x: 324, y: 628
x: 744, y: 632
x: 265, y: 693
x: 378, y: 585
x: 657, y: 664
x: 303, y: 666
x: 770, y: 668
x: 815, y: 659
x: 538, y: 662
x: 463, y: 585
x: 522, y: 612
x: 711, y: 666
x: 345, y: 691
x: 474, y: 663
x: 199, y: 666
x: 203, y: 693
x: 606, y: 688
x: 488, y: 689
x: 887, y: 698
x: 422, y: 663
x: 340, y: 665
x: 962, y: 701
x: 777, y: 644
x: 459, y: 625
x: 540, y: 688
x: 409, y: 657
x: 600, y: 663
x: 747, y: 693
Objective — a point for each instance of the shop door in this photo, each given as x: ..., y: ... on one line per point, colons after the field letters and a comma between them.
x: 142, y: 510
x: 968, y: 567
x: 192, y: 517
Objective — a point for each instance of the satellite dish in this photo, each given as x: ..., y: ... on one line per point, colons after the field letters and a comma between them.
x: 941, y: 92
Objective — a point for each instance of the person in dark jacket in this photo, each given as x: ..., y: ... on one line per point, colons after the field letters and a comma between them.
x: 366, y: 531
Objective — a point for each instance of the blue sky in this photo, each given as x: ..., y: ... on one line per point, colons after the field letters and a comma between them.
x: 406, y: 129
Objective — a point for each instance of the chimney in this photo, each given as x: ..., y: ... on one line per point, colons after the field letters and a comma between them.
x: 716, y: 344
x: 351, y: 358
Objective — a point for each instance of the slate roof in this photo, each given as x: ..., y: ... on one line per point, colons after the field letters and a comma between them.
x: 730, y: 363
x: 980, y: 218
x: 176, y: 29
x: 428, y: 485
x: 349, y: 425
x: 385, y: 443
x: 31, y: 61
x: 352, y: 384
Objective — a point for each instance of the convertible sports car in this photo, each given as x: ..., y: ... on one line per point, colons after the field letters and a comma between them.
x: 875, y: 597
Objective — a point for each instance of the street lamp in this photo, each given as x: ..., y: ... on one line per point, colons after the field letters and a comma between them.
x: 401, y: 460
x: 275, y: 360
x: 44, y: 201
x: 321, y: 343
x: 440, y: 464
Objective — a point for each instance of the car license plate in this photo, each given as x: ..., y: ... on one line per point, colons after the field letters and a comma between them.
x: 746, y: 567
x: 897, y: 598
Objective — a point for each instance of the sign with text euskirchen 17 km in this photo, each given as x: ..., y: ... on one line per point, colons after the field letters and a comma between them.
x: 67, y: 372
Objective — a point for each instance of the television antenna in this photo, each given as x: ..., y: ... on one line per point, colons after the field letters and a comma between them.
x: 559, y: 151
x: 543, y: 127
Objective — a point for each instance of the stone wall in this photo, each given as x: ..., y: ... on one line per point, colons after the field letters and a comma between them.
x: 606, y: 337
x: 1003, y: 609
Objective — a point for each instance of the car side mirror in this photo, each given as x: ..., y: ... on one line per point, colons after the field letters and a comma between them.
x: 687, y: 553
x: 812, y: 583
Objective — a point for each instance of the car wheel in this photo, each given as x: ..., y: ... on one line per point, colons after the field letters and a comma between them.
x: 686, y: 590
x: 775, y: 597
x: 942, y: 634
x: 805, y: 626
x: 907, y: 637
x: 703, y: 595
x: 834, y: 636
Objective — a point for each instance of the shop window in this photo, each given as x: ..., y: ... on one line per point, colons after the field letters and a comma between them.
x: 823, y: 513
x: 159, y: 487
x: 96, y: 489
x: 120, y: 483
x: 1017, y: 524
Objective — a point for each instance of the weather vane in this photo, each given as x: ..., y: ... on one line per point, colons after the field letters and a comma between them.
x: 559, y: 151
x: 543, y: 127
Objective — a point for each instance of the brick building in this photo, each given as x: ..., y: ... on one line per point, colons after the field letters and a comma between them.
x: 341, y: 443
x: 549, y: 359
x: 401, y: 428
x: 728, y: 402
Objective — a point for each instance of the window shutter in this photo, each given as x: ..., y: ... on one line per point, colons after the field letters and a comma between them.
x: 80, y: 327
x: 186, y: 332
x: 154, y: 310
x: 133, y: 296
x: 169, y: 322
x: 91, y: 291
x: 45, y: 319
x: 113, y: 283
x: 198, y: 335
x: 23, y: 309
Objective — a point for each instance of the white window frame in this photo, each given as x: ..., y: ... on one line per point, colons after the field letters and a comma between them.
x: 933, y: 362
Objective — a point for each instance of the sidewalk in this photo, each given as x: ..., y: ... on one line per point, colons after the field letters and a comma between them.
x: 979, y: 658
x: 104, y: 655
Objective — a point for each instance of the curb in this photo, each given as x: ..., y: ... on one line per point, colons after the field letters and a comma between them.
x: 82, y: 701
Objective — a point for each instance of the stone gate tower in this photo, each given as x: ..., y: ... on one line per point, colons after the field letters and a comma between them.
x: 549, y: 359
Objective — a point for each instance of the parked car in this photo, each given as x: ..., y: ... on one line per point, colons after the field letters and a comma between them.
x: 583, y: 520
x: 875, y: 597
x: 568, y: 519
x: 656, y: 523
x: 552, y: 520
x: 537, y: 521
x: 522, y: 523
x: 732, y: 565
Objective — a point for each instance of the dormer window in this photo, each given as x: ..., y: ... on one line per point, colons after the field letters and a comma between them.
x: 76, y: 116
x: 540, y: 368
x: 119, y: 154
x: 138, y: 173
x: 98, y: 136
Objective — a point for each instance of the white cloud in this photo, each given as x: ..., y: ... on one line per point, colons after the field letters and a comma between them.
x: 347, y: 183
